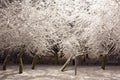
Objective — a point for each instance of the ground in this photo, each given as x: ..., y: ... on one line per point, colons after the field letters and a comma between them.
x: 45, y: 72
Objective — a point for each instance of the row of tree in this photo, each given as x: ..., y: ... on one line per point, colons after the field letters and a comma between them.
x: 63, y: 29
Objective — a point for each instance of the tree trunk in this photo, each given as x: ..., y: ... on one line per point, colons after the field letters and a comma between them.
x: 20, y: 62
x: 35, y: 60
x: 67, y: 62
x: 76, y: 63
x: 103, y: 62
x: 56, y: 59
x: 6, y: 61
x: 20, y: 65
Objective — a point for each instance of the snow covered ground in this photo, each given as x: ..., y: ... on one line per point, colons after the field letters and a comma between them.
x: 48, y: 72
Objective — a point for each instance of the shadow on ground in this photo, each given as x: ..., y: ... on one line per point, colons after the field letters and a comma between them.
x: 45, y: 72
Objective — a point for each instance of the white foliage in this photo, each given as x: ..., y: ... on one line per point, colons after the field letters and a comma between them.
x: 76, y: 26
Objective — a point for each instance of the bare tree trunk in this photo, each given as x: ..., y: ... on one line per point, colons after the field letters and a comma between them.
x: 76, y: 63
x: 85, y: 58
x: 56, y: 59
x: 67, y: 62
x: 6, y: 61
x: 103, y: 62
x: 20, y: 62
x: 35, y: 60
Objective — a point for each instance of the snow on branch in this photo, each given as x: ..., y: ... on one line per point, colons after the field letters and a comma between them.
x: 50, y: 27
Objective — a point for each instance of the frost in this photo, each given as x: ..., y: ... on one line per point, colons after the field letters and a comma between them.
x: 61, y: 26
